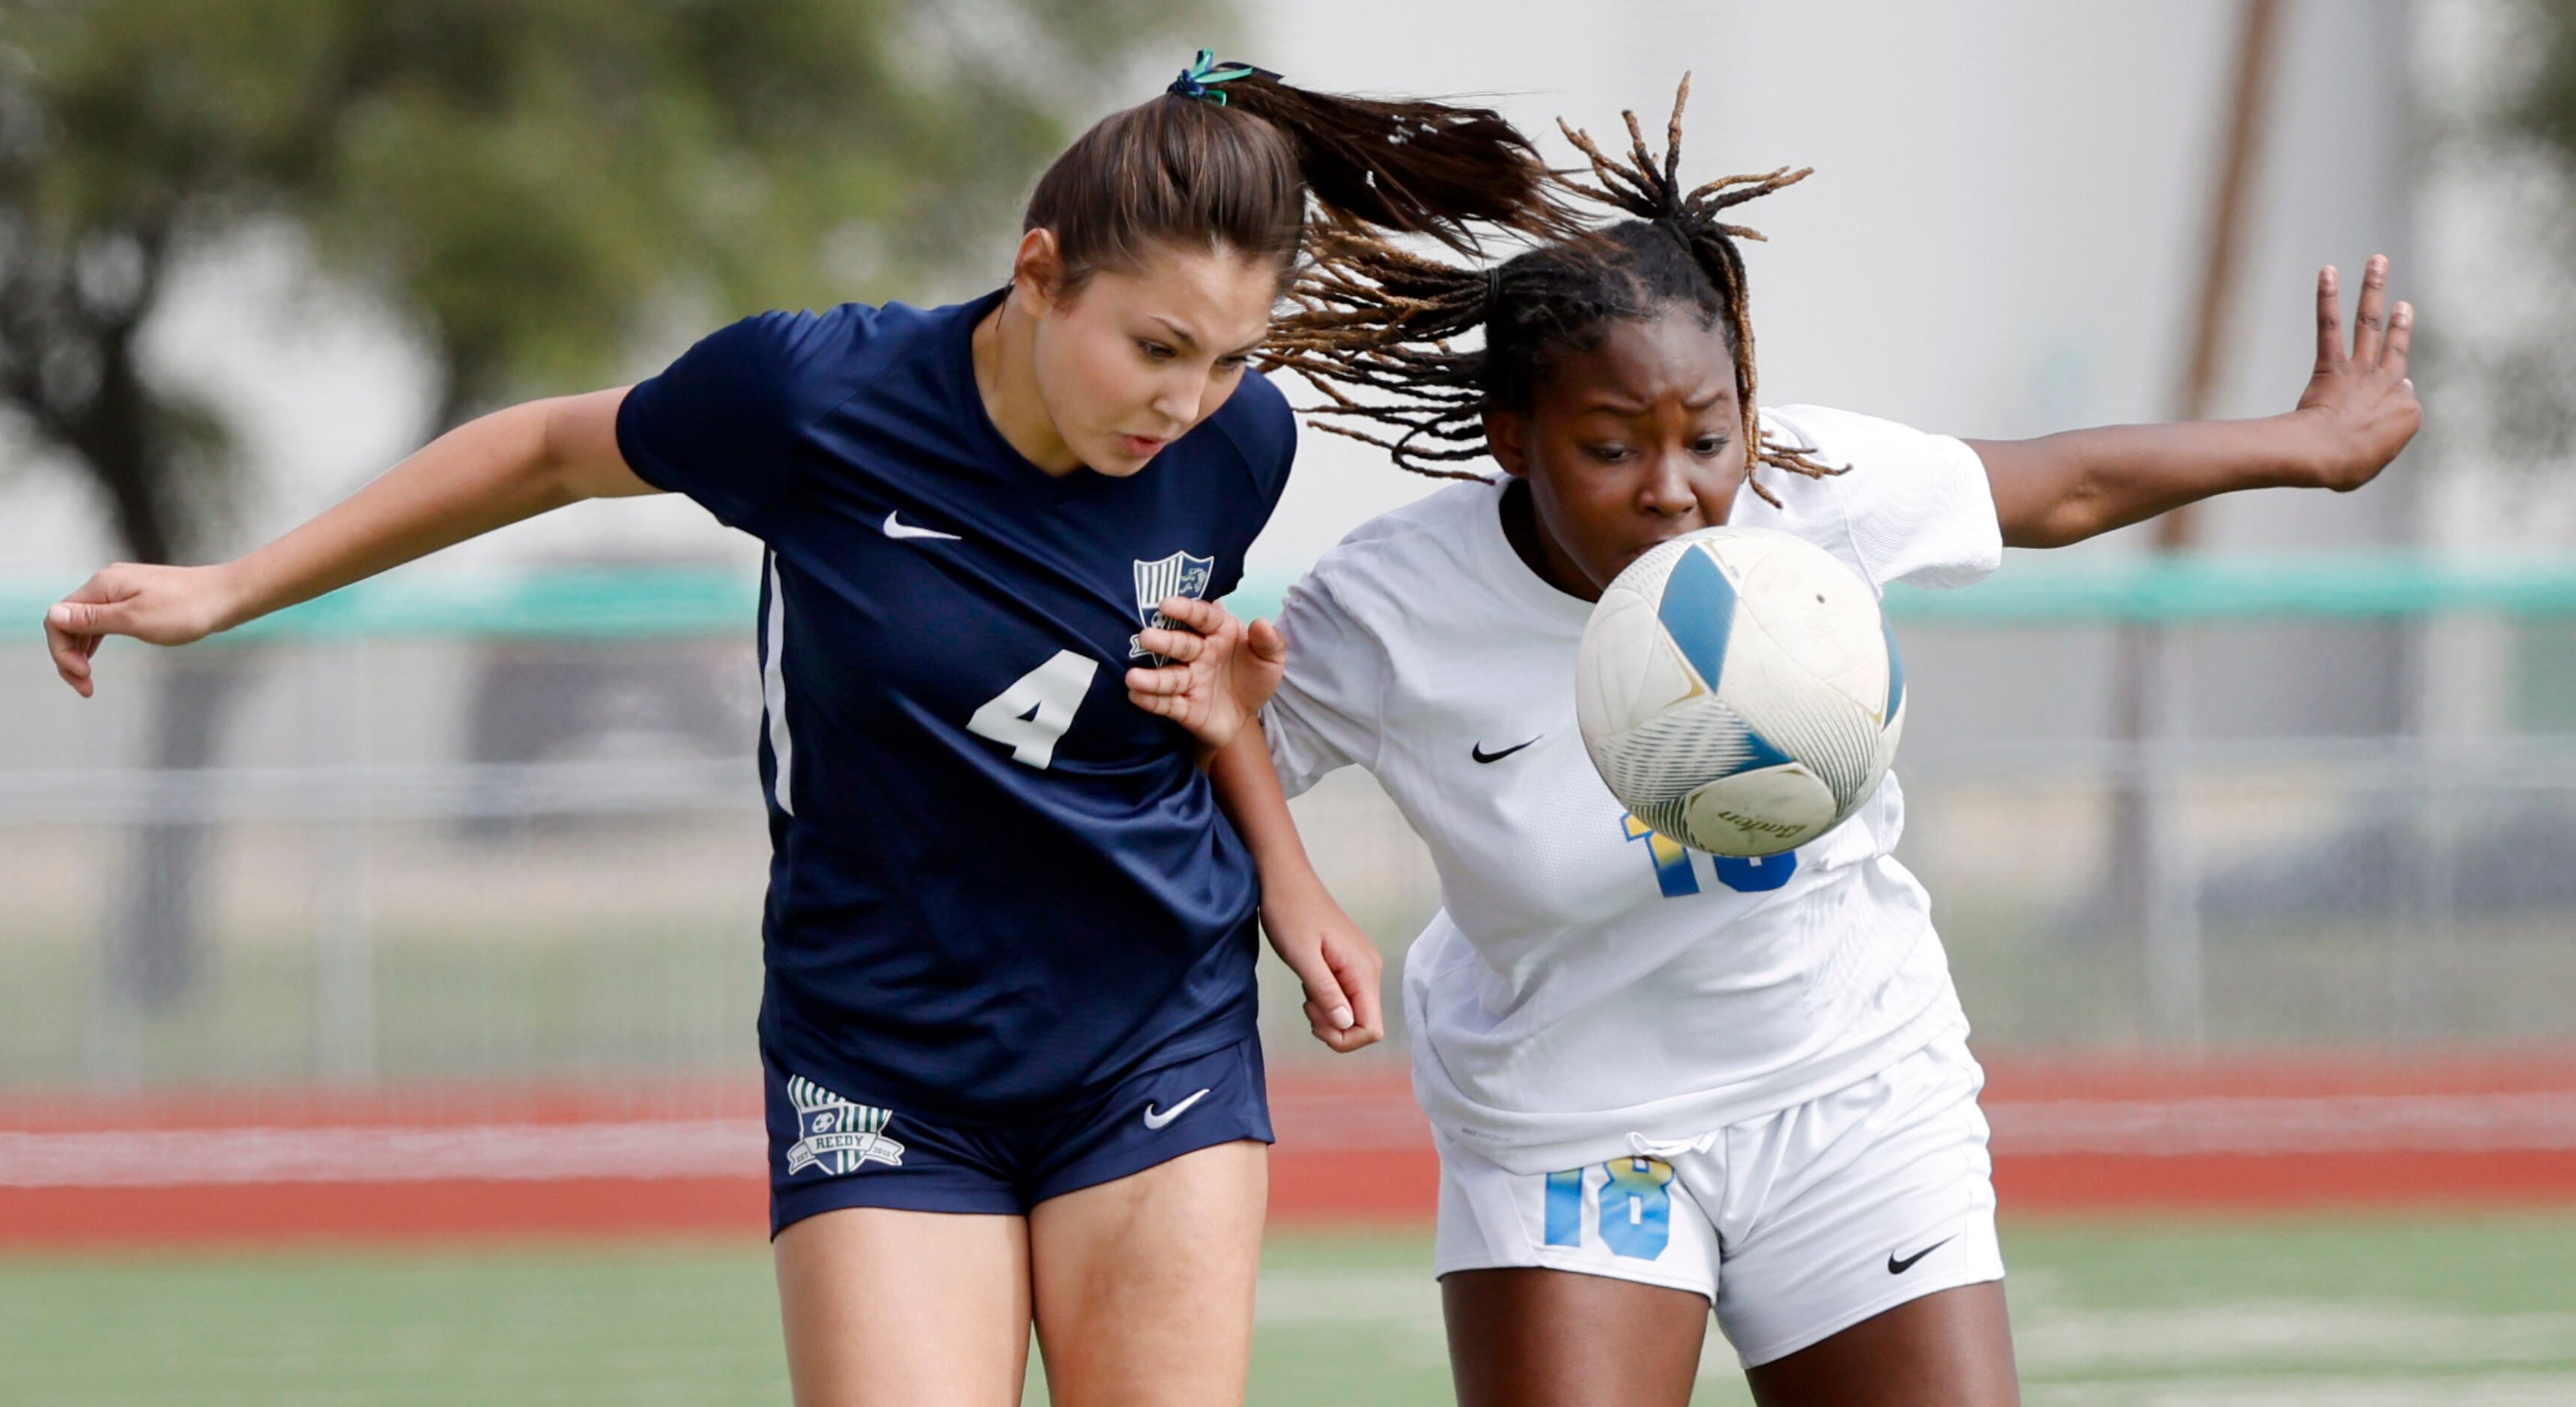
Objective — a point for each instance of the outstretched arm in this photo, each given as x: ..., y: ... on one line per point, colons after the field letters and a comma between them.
x: 2358, y: 412
x: 485, y: 474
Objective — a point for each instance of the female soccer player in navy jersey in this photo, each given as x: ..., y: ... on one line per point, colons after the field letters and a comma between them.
x: 1007, y: 1027
x: 1664, y: 1083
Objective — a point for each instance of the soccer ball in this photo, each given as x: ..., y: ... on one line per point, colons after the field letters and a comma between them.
x: 1739, y: 690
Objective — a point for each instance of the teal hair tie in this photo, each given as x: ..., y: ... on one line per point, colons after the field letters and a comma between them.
x: 1201, y: 79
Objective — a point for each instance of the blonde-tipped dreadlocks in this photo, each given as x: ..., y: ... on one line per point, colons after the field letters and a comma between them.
x: 1374, y: 323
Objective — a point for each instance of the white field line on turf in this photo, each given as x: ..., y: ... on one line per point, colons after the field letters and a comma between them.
x: 147, y: 1157
x: 2327, y: 1389
x: 2062, y: 1339
x: 2327, y: 1124
x: 2058, y: 1343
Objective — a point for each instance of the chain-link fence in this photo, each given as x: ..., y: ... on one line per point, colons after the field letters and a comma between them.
x: 508, y: 830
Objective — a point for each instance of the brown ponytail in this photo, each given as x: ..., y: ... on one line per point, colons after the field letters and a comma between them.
x: 1189, y: 170
x: 1419, y: 167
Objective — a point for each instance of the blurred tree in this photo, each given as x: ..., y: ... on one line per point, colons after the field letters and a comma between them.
x: 536, y: 185
x: 2529, y: 381
x: 2547, y: 110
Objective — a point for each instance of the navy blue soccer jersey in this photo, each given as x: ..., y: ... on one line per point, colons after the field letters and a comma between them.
x: 995, y: 881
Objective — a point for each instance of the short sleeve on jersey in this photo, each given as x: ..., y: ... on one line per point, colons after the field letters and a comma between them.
x: 1919, y: 506
x: 1329, y: 709
x: 1256, y: 420
x: 724, y: 423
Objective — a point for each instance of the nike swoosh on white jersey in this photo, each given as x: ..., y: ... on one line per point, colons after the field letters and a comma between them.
x: 1154, y: 1120
x: 894, y: 527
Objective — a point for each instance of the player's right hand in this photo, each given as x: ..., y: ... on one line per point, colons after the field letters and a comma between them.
x: 159, y: 605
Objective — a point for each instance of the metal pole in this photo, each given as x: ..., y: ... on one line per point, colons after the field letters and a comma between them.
x: 2175, y: 984
x: 2158, y: 880
x: 344, y: 964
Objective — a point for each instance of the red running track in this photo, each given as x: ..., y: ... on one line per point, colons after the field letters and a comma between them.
x: 2243, y: 1134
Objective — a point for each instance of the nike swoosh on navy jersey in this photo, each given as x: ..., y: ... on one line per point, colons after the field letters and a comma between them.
x: 895, y: 527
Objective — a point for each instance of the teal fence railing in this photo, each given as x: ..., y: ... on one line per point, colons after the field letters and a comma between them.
x: 633, y: 602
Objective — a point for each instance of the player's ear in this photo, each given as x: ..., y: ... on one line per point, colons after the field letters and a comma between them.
x: 1507, y: 437
x: 1037, y: 272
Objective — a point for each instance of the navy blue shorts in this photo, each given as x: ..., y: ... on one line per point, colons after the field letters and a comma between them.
x: 827, y: 1152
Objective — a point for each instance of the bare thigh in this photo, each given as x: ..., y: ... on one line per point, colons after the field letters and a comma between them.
x: 1144, y: 1285
x: 1952, y: 1349
x: 1526, y: 1337
x: 903, y: 1307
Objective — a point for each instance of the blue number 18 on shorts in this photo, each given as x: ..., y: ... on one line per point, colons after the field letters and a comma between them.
x: 1636, y: 1206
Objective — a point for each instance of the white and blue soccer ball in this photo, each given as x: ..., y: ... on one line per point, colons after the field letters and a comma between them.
x: 1739, y: 690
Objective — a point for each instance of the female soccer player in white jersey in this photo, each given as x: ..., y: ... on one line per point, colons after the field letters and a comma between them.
x: 1660, y: 1084
x: 1007, y: 1028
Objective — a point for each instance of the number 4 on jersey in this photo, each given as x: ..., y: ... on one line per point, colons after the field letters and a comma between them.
x: 1031, y: 715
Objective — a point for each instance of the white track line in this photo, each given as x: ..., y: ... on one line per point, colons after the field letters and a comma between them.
x: 506, y: 1152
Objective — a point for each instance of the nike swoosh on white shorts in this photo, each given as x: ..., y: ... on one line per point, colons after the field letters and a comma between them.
x: 1155, y: 1120
x: 896, y: 528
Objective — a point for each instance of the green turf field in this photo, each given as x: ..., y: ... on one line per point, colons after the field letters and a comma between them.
x: 2460, y: 1311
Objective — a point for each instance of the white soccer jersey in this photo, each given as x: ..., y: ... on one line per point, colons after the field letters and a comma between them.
x: 1586, y: 978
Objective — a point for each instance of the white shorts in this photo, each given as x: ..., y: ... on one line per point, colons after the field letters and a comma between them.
x: 1796, y: 1225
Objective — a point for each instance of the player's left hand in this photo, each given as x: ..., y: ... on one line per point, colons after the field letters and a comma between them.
x: 2359, y: 404
x: 1335, y: 962
x: 1221, y: 672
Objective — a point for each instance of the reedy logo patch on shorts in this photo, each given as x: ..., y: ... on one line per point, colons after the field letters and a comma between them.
x: 835, y: 1134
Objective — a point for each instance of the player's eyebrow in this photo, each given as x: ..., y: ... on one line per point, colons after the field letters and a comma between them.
x: 1190, y: 340
x: 1619, y: 405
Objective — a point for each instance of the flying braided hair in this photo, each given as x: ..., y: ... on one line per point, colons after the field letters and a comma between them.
x: 1375, y: 324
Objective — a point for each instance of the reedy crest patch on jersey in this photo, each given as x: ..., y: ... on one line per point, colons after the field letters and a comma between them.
x: 835, y: 1134
x: 1158, y: 581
